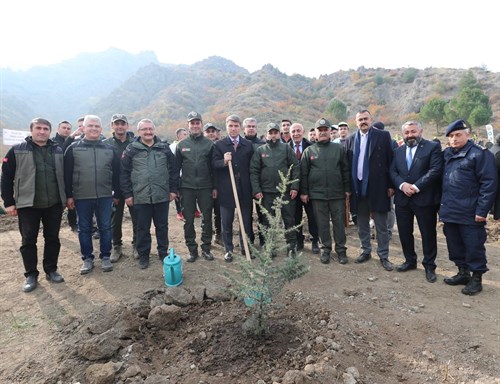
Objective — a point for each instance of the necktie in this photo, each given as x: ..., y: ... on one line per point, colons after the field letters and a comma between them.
x: 409, y: 158
x: 235, y: 144
x: 297, y: 151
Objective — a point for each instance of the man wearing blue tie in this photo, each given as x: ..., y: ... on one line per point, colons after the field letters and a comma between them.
x: 416, y: 172
x: 370, y: 154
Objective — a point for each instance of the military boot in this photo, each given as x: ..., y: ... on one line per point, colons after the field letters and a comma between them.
x: 474, y: 285
x: 461, y: 278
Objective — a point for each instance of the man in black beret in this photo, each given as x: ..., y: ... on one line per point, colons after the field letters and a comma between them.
x: 469, y: 188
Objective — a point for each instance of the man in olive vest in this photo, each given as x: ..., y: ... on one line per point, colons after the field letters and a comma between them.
x: 33, y: 189
x: 91, y: 175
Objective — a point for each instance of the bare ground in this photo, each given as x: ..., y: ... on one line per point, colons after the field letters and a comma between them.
x: 337, y: 324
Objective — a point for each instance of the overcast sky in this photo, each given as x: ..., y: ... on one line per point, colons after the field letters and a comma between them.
x: 311, y: 37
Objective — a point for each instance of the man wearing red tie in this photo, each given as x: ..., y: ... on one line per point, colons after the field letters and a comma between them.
x: 238, y: 151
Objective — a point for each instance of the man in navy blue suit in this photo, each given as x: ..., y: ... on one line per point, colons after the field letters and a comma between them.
x: 416, y: 172
x: 370, y: 154
x: 239, y: 151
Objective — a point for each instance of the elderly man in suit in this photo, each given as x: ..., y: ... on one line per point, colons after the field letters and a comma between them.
x: 370, y: 153
x: 239, y: 152
x: 416, y: 172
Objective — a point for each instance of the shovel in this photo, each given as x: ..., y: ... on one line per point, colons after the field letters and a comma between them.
x: 238, y: 210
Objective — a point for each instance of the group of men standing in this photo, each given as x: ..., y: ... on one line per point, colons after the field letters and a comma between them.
x: 99, y: 177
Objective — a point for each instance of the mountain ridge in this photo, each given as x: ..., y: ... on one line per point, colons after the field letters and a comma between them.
x: 140, y: 86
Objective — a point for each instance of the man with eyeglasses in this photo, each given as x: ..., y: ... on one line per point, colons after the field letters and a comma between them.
x: 121, y: 138
x: 149, y: 181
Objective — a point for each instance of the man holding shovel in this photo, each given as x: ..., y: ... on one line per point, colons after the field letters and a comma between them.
x: 236, y: 152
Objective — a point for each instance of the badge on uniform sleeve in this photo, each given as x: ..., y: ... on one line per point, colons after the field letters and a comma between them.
x: 264, y: 155
x: 186, y: 150
x: 313, y: 157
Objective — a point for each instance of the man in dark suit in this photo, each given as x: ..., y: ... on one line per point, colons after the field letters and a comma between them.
x: 239, y: 151
x: 416, y: 172
x: 299, y: 144
x: 370, y: 154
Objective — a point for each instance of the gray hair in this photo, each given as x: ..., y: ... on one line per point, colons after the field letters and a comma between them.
x: 88, y: 118
x: 411, y: 122
x: 249, y: 120
x: 139, y: 124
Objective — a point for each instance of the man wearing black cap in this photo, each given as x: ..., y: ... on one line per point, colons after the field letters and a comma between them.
x: 238, y: 151
x: 324, y: 179
x: 469, y: 189
x: 370, y: 154
x: 121, y: 138
x: 299, y: 145
x: 194, y: 155
x: 267, y: 162
x: 212, y: 132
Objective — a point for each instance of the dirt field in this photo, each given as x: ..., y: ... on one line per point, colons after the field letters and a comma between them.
x: 337, y: 324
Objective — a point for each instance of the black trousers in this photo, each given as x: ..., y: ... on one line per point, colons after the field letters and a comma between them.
x: 227, y: 218
x: 117, y: 222
x: 426, y: 219
x: 29, y: 225
x: 72, y: 219
x: 158, y: 213
x: 217, y: 221
x: 311, y: 220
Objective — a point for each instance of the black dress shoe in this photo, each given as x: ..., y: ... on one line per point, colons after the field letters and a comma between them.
x: 315, y: 247
x: 228, y: 257
x: 325, y: 257
x: 342, y: 258
x: 387, y: 265
x: 430, y: 275
x: 192, y: 258
x: 207, y: 255
x: 55, y: 277
x: 363, y: 257
x: 406, y: 266
x: 30, y: 283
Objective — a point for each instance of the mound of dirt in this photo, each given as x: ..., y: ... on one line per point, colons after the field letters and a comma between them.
x: 356, y: 324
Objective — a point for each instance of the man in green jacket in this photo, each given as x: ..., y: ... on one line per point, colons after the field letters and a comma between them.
x: 33, y: 189
x: 149, y: 181
x: 267, y: 162
x: 325, y: 180
x: 121, y: 138
x: 194, y: 159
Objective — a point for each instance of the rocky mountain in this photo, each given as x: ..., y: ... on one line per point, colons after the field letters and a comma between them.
x: 140, y: 86
x: 66, y: 90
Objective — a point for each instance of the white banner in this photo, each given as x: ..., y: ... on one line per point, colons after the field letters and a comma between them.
x: 489, y: 132
x: 11, y: 137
